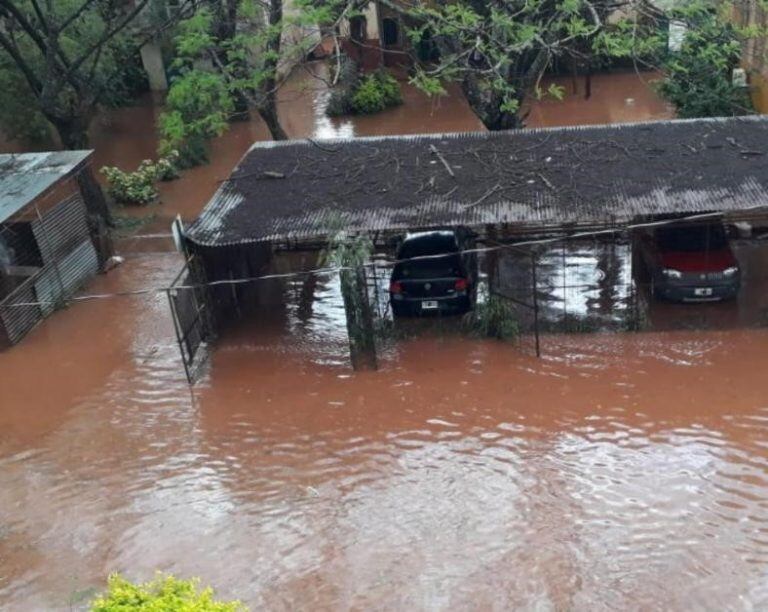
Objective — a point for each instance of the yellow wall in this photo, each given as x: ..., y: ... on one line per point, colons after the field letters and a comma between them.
x: 759, y: 83
x: 751, y: 13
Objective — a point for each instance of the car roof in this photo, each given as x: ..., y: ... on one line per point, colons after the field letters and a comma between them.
x: 429, y: 243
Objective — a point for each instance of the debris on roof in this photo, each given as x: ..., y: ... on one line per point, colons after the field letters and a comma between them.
x: 551, y: 177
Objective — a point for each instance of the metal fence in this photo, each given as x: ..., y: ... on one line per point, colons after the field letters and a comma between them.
x: 189, y: 299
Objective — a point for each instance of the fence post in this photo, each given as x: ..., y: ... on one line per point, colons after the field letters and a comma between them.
x: 534, y: 287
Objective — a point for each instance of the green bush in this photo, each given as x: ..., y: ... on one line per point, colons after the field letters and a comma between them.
x: 340, y: 100
x: 363, y: 96
x: 163, y: 594
x: 698, y: 77
x: 376, y: 92
x: 494, y: 317
x: 139, y: 187
x: 198, y: 107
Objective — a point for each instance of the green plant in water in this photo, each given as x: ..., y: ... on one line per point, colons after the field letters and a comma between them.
x: 376, y: 92
x: 163, y: 594
x: 351, y: 254
x: 493, y: 317
x: 138, y: 187
x: 198, y: 107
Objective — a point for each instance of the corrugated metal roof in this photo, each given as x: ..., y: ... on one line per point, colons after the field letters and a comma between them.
x: 551, y: 177
x: 26, y: 176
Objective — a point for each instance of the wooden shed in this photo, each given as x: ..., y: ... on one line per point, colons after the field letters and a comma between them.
x: 48, y: 247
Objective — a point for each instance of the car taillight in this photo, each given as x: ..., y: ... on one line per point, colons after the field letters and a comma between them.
x: 395, y: 287
x: 461, y: 284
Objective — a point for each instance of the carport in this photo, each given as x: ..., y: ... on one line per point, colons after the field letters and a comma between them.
x: 506, y: 186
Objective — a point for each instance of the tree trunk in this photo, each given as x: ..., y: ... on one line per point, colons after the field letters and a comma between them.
x: 73, y: 133
x: 268, y: 106
x: 74, y: 137
x: 268, y: 112
x: 224, y: 30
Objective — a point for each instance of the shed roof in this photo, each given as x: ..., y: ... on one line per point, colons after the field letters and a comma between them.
x: 26, y: 176
x: 541, y: 177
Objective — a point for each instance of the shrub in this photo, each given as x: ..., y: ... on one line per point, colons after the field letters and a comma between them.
x: 197, y: 109
x: 369, y: 97
x: 494, y: 317
x: 376, y: 92
x: 139, y: 187
x: 340, y: 100
x: 163, y: 594
x: 370, y: 94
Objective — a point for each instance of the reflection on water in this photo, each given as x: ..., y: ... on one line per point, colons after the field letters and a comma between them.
x: 619, y: 471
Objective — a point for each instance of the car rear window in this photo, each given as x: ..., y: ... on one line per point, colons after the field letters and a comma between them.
x: 441, y: 267
x: 692, y: 239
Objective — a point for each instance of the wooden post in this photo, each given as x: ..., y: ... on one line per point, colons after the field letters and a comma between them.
x: 534, y: 288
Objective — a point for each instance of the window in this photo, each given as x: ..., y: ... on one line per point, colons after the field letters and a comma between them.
x: 358, y: 27
x: 390, y: 35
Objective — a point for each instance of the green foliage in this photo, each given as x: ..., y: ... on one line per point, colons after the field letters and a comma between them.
x: 198, y: 107
x: 138, y: 187
x: 698, y: 78
x: 62, y: 60
x: 347, y: 80
x: 364, y: 96
x: 498, y: 51
x: 376, y: 92
x: 20, y: 116
x: 493, y: 317
x: 367, y: 95
x: 351, y: 253
x: 163, y: 594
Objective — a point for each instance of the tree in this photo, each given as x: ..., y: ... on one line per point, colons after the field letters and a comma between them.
x: 698, y: 78
x: 70, y: 55
x: 236, y: 48
x: 500, y: 50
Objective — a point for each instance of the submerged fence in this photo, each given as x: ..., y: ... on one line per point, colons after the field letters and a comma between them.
x: 189, y: 299
x: 562, y: 286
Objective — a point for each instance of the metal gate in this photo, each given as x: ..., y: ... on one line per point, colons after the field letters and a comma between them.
x: 189, y: 298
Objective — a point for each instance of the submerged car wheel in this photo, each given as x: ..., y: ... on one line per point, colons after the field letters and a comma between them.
x: 399, y: 310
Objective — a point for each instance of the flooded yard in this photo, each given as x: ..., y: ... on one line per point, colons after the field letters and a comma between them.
x: 620, y: 470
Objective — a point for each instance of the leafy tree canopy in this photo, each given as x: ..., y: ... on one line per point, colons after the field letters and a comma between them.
x: 67, y: 57
x: 499, y: 51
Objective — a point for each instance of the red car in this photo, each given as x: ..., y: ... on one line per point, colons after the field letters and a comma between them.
x: 691, y: 263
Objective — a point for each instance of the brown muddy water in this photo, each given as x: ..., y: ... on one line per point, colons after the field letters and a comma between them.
x: 624, y: 470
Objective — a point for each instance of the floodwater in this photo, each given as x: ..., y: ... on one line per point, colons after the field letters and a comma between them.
x: 622, y: 470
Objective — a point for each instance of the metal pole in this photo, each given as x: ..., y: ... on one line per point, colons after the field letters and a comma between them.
x: 534, y: 287
x: 179, y: 338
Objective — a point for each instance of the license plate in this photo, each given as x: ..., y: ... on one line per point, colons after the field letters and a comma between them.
x: 429, y: 305
x: 702, y: 292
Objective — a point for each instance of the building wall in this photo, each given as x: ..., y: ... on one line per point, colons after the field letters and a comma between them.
x: 750, y: 13
x: 53, y: 256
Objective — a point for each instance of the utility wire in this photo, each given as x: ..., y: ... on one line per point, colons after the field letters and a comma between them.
x: 336, y: 269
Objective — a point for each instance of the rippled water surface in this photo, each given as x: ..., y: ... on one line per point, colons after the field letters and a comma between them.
x: 624, y: 470
x: 621, y: 471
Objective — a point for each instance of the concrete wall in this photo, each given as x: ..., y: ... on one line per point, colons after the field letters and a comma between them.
x: 750, y: 13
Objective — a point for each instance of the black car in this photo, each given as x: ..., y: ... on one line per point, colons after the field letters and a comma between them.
x: 691, y: 263
x: 434, y: 274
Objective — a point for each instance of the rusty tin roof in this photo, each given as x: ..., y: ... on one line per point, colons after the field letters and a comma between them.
x: 553, y: 177
x: 26, y: 176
